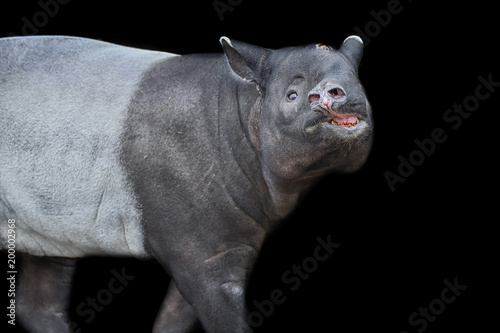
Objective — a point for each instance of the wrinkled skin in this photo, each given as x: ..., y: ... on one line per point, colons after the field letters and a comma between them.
x: 217, y: 150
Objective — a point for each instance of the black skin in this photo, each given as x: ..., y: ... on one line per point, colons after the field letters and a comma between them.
x: 219, y: 150
x: 43, y: 293
x: 240, y: 159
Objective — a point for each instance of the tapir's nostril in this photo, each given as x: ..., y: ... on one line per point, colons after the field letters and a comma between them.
x: 331, y: 96
x: 336, y: 93
x: 314, y: 98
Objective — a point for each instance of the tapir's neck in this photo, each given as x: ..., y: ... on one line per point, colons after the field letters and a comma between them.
x: 260, y: 193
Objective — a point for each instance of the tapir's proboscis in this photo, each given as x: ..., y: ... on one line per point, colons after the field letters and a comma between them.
x: 190, y: 160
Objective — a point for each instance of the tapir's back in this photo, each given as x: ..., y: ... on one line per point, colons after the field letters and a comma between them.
x: 63, y: 105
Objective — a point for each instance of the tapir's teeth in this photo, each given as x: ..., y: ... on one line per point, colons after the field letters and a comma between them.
x: 348, y: 125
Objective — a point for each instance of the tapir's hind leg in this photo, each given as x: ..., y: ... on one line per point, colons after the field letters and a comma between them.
x: 176, y: 315
x: 43, y: 295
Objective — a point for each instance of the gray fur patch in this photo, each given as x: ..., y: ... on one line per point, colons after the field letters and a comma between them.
x: 63, y: 104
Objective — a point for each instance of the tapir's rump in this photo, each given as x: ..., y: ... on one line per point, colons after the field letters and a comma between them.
x: 63, y: 103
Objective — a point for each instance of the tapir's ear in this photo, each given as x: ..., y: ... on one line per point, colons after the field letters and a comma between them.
x: 352, y: 48
x: 244, y: 59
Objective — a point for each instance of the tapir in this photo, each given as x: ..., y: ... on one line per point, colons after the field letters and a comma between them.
x: 190, y: 160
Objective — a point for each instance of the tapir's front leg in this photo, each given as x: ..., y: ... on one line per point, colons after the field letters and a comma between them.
x: 216, y: 288
x: 214, y: 282
x: 176, y: 315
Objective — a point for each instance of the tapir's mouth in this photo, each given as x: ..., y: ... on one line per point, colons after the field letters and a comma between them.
x: 336, y: 118
x: 344, y: 120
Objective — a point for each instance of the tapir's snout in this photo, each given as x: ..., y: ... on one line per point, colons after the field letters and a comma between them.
x: 340, y: 104
x: 328, y: 95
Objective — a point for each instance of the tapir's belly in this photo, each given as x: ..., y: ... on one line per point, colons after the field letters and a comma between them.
x: 63, y: 110
x: 75, y: 234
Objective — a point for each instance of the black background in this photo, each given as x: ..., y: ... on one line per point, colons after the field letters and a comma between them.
x: 397, y: 247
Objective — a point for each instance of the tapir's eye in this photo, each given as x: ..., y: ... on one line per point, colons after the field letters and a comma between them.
x: 291, y: 96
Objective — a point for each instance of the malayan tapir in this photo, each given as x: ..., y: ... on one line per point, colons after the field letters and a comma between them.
x: 191, y: 160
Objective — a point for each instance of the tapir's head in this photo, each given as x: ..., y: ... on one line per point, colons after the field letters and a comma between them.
x: 314, y: 115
